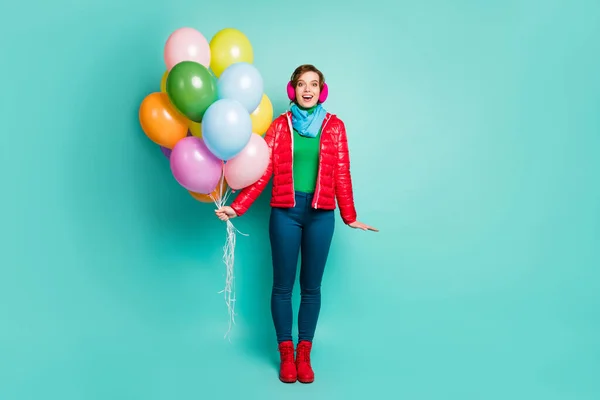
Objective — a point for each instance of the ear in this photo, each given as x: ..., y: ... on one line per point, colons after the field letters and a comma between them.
x: 324, y: 93
x: 290, y: 91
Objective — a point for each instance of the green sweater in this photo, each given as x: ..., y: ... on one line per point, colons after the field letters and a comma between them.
x: 306, y: 161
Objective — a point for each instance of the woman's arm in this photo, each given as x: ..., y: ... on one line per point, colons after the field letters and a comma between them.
x: 343, y: 183
x: 250, y: 193
x: 343, y: 180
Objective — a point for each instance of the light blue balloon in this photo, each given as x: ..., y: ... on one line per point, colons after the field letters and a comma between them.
x: 226, y: 128
x: 242, y: 82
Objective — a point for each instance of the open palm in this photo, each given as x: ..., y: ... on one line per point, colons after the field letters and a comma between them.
x: 364, y: 227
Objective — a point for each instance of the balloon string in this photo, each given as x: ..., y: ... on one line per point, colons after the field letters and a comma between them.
x: 228, y: 260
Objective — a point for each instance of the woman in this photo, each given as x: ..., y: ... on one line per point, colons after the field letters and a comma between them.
x: 310, y: 164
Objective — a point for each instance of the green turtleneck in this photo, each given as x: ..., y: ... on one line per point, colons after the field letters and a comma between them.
x: 306, y: 161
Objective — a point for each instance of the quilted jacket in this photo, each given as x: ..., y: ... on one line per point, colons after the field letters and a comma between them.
x: 333, y: 181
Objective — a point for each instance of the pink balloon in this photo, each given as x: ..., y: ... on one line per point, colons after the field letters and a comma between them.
x: 249, y: 165
x: 186, y: 44
x: 194, y: 167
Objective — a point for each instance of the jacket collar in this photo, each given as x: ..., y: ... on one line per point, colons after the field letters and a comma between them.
x: 288, y: 115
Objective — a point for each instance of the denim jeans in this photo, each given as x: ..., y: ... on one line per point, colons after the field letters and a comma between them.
x: 305, y: 231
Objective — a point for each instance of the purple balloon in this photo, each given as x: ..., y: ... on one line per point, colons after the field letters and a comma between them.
x: 166, y: 151
x: 194, y: 167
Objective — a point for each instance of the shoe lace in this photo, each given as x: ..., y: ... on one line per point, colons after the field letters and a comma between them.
x: 303, y: 354
x: 287, y: 353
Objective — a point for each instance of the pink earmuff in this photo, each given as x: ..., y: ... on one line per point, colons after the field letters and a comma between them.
x: 322, y: 97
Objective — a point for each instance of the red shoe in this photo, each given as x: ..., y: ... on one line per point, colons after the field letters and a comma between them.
x: 287, y: 368
x: 305, y: 371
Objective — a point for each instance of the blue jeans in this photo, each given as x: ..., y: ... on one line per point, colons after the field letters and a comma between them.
x: 304, y: 231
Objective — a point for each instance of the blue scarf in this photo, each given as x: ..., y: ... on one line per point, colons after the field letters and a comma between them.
x: 308, y: 124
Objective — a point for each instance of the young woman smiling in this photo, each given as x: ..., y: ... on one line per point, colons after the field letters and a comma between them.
x: 310, y: 166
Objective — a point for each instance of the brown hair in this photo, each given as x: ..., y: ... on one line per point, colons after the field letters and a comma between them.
x: 306, y: 68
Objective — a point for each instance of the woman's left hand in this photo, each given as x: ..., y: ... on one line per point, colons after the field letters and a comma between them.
x: 364, y: 227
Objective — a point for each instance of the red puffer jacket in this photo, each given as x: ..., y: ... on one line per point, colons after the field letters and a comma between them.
x: 333, y: 181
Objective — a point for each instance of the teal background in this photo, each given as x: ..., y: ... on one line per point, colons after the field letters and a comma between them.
x: 474, y: 133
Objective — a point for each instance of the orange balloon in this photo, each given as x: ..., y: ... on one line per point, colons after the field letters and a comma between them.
x: 160, y: 121
x: 216, y: 194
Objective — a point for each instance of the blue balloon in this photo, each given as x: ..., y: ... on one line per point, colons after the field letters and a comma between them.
x: 241, y: 81
x: 226, y: 128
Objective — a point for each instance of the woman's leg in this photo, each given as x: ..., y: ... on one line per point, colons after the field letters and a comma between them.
x: 316, y: 241
x: 285, y: 232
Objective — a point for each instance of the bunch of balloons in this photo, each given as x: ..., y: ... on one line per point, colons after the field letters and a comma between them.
x: 211, y: 113
x: 209, y: 119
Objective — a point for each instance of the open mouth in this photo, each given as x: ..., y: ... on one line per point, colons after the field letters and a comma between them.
x: 307, y: 97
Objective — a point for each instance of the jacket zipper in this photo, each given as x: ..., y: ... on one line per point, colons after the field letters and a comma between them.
x: 320, y: 163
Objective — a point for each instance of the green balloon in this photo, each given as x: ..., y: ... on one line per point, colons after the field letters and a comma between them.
x: 192, y: 89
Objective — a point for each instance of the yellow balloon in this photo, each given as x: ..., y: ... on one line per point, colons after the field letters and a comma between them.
x: 163, y: 82
x: 262, y: 116
x: 227, y: 47
x: 195, y: 128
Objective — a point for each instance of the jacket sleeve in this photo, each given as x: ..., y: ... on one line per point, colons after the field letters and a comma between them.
x: 250, y: 193
x: 343, y: 180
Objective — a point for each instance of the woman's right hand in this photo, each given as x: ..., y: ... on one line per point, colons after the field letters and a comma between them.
x: 225, y: 213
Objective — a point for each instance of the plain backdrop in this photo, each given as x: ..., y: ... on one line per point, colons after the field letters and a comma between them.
x: 474, y: 134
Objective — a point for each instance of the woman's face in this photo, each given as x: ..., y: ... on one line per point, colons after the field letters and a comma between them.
x: 308, y: 89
